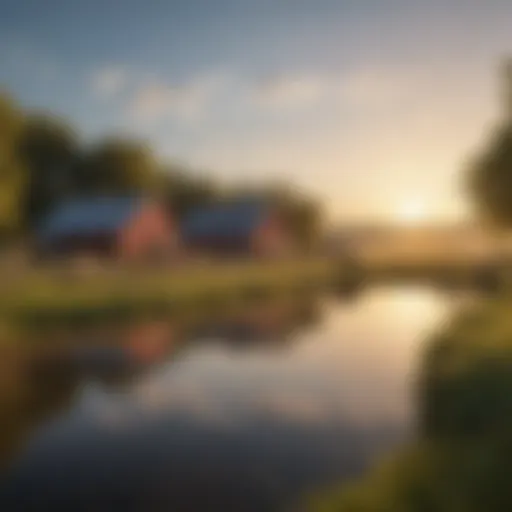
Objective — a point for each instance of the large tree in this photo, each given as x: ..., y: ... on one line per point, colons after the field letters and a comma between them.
x: 184, y: 190
x: 490, y: 180
x: 12, y: 177
x: 50, y: 151
x: 118, y: 166
x: 490, y: 173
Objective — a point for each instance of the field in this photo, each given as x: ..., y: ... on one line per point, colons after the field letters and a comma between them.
x: 96, y: 293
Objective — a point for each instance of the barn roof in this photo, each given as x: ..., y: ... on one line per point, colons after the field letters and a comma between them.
x: 88, y: 216
x: 231, y: 219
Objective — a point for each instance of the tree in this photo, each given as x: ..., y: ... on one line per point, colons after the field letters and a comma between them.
x: 118, y: 166
x: 490, y: 174
x: 50, y: 151
x: 305, y: 218
x: 12, y: 178
x: 182, y: 191
x: 490, y: 180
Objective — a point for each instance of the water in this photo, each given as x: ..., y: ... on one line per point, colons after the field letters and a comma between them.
x: 243, y: 413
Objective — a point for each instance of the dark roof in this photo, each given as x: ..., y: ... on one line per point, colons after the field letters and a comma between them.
x: 88, y: 216
x: 227, y: 220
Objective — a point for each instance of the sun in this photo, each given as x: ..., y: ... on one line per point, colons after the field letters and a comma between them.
x: 412, y: 211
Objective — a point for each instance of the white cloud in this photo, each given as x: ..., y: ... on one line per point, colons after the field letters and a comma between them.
x: 360, y: 88
x: 291, y: 91
x: 158, y: 100
x: 109, y: 81
x: 364, y: 88
x: 369, y: 88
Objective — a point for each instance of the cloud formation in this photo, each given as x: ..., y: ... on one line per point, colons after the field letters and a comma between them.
x: 291, y: 91
x: 109, y: 81
x: 157, y: 100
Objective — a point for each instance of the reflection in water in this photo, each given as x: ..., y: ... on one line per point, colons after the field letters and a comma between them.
x: 219, y: 415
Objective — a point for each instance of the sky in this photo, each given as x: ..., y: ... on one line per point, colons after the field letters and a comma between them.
x: 373, y: 106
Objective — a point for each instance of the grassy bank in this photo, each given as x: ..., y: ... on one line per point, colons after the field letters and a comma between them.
x: 461, y: 459
x: 67, y: 293
x: 58, y: 294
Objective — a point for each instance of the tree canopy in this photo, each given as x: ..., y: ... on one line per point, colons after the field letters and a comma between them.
x: 118, y: 166
x: 43, y: 162
x: 459, y: 460
x: 490, y: 173
x: 12, y: 175
x: 490, y: 180
x: 50, y: 151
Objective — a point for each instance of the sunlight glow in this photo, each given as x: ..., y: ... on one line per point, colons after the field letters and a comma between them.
x: 412, y: 211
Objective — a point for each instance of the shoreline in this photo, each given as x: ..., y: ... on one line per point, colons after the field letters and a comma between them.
x: 63, y: 295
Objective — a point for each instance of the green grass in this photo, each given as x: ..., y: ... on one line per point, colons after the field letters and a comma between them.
x: 461, y: 460
x: 52, y: 295
x: 64, y: 294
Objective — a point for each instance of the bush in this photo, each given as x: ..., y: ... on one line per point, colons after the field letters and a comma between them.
x: 461, y: 460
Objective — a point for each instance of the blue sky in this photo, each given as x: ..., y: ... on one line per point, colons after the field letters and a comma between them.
x: 371, y: 104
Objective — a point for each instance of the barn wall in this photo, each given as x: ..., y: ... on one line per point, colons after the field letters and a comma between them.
x: 150, y: 233
x: 271, y: 238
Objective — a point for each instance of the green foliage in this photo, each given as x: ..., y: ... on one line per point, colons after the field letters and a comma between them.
x: 118, y: 166
x: 12, y: 175
x: 461, y: 461
x: 431, y: 477
x: 304, y: 217
x: 490, y: 180
x: 10, y: 126
x: 50, y: 152
x: 183, y: 191
x: 60, y: 293
x: 12, y: 193
x: 466, y: 383
x: 42, y: 163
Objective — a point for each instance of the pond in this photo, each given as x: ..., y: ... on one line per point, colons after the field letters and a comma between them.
x: 247, y: 412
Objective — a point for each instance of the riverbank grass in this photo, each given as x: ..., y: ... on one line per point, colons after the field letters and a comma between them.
x: 124, y: 292
x: 460, y: 460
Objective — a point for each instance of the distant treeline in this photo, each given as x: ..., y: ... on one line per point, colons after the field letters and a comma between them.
x: 43, y: 162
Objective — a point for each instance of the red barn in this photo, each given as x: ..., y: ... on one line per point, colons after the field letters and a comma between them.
x: 237, y: 229
x: 128, y: 228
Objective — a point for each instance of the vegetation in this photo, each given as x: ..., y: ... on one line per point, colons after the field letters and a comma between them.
x: 490, y: 173
x: 42, y: 163
x: 490, y: 180
x: 460, y: 461
x: 48, y: 149
x: 72, y: 295
x: 12, y: 176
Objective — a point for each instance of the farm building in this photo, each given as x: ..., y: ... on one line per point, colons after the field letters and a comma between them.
x: 115, y: 227
x: 236, y: 229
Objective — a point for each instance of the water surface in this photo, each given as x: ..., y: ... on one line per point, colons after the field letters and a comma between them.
x: 241, y: 413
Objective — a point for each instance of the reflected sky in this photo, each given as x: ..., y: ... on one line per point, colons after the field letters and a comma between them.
x: 355, y: 365
x: 270, y: 419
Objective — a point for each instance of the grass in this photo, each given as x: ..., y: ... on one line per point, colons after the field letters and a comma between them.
x: 461, y: 458
x: 71, y: 294
x: 53, y: 295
